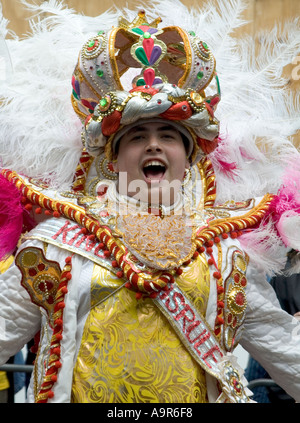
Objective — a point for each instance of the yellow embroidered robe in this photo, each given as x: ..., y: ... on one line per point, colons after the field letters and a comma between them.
x: 130, y: 353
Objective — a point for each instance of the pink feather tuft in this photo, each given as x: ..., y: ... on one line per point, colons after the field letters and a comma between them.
x: 284, y: 209
x: 14, y: 219
x: 220, y: 161
x: 226, y: 167
x: 288, y: 196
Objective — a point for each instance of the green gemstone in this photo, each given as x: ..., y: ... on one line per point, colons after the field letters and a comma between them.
x: 140, y: 82
x: 205, y: 46
x: 141, y: 56
x: 92, y: 43
x: 101, y: 32
x: 218, y: 84
x: 147, y: 35
x: 75, y: 94
x: 100, y: 73
x: 192, y: 33
x: 103, y: 102
x: 138, y: 31
x: 200, y: 75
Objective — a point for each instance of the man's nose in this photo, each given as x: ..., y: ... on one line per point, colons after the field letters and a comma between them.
x: 153, y: 144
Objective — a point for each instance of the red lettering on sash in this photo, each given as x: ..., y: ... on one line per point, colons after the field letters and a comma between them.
x: 203, y: 337
x: 190, y: 326
x: 64, y: 230
x: 210, y: 353
x: 193, y: 326
x: 182, y: 302
x: 96, y: 252
x: 90, y: 244
x: 75, y: 237
x: 164, y: 294
x: 80, y: 237
x: 80, y: 241
x: 183, y: 314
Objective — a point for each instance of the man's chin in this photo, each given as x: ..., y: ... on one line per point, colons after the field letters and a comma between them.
x: 157, y: 194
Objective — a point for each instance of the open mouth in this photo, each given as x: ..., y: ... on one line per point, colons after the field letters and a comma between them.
x: 154, y: 170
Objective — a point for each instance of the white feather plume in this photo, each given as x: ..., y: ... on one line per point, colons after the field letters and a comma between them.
x: 264, y: 247
x: 40, y: 133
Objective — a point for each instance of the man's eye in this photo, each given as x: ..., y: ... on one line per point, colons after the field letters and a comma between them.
x: 137, y: 138
x: 168, y: 136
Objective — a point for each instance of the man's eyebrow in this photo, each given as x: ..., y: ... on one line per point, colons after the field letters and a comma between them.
x: 147, y: 129
x: 137, y: 129
x: 167, y: 128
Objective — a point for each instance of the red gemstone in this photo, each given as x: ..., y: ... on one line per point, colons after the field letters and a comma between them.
x: 45, y: 285
x: 240, y: 299
x: 236, y: 278
x: 234, y: 322
x: 32, y: 271
x: 244, y: 281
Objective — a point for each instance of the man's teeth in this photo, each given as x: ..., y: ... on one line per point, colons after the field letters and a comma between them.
x: 154, y: 163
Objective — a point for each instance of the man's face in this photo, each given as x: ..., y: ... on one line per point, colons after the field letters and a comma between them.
x: 151, y: 162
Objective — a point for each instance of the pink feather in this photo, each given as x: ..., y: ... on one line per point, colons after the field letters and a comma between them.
x: 285, y: 206
x: 14, y: 219
x: 220, y: 161
x: 226, y: 167
x: 288, y: 196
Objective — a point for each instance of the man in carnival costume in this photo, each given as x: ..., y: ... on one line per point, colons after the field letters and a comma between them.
x: 140, y: 279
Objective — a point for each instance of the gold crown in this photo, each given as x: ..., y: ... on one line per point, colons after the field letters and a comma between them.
x: 138, y: 21
x: 134, y: 60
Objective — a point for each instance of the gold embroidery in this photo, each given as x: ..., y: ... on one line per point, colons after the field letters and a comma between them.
x: 218, y: 214
x: 160, y: 243
x: 236, y: 205
x: 40, y: 277
x: 235, y: 300
x: 29, y: 258
x: 129, y: 351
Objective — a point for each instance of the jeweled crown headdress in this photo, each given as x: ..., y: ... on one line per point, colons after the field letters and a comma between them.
x: 137, y: 71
